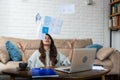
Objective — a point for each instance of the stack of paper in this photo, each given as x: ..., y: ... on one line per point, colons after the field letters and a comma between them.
x: 98, y: 67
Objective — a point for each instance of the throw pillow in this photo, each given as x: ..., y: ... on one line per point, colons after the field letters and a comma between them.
x: 4, y: 57
x: 97, y: 46
x: 103, y: 53
x: 13, y: 51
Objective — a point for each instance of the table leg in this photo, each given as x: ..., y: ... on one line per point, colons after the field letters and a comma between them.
x: 103, y: 77
x: 12, y: 77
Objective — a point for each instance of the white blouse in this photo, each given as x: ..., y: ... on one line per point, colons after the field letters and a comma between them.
x: 35, y: 62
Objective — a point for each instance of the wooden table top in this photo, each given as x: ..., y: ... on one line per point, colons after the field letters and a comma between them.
x: 78, y: 75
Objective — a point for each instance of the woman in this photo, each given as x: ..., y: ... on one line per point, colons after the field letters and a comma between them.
x: 47, y: 55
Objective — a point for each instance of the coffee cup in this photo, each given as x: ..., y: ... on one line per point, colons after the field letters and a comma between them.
x: 22, y: 66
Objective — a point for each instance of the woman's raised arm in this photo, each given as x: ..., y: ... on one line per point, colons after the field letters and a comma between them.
x: 23, y: 47
x: 71, y: 46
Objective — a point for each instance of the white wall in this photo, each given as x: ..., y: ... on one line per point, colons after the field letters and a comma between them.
x: 116, y: 39
x: 17, y: 19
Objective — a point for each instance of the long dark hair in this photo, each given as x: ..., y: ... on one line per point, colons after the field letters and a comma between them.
x: 53, y: 52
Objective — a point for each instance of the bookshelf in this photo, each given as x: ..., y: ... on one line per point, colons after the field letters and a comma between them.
x: 114, y: 21
x: 114, y: 15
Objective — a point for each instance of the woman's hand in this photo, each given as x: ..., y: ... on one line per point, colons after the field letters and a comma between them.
x: 71, y: 43
x: 22, y: 46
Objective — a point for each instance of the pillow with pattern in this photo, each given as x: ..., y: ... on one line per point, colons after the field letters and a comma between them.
x: 13, y: 51
x: 97, y: 46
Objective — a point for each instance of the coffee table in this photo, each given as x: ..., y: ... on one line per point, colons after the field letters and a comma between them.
x: 90, y: 74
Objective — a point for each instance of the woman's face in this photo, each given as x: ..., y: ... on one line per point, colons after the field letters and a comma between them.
x: 47, y: 40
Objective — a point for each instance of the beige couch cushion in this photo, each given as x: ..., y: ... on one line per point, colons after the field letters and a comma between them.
x: 4, y: 57
x: 10, y: 64
x: 105, y: 63
x: 81, y: 43
x: 103, y: 53
x: 28, y: 53
x: 115, y: 58
x: 64, y: 51
x: 29, y: 42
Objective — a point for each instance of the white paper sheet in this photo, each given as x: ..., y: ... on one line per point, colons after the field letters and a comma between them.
x: 52, y: 25
x: 48, y: 25
x: 55, y: 26
x: 98, y: 68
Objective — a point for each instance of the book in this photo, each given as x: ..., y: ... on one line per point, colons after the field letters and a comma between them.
x: 43, y: 72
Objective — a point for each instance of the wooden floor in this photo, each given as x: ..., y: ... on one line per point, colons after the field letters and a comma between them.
x: 109, y: 77
x: 113, y: 77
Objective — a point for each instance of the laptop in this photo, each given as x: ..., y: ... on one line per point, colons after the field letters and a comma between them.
x: 82, y: 60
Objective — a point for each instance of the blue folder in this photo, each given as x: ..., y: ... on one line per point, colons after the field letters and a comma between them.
x: 43, y: 72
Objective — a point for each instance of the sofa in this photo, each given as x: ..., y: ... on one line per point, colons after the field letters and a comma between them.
x: 109, y: 58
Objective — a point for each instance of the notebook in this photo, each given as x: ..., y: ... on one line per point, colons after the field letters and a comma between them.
x: 82, y: 60
x: 43, y: 72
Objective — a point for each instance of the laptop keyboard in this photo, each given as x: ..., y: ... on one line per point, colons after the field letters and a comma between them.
x: 66, y: 69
